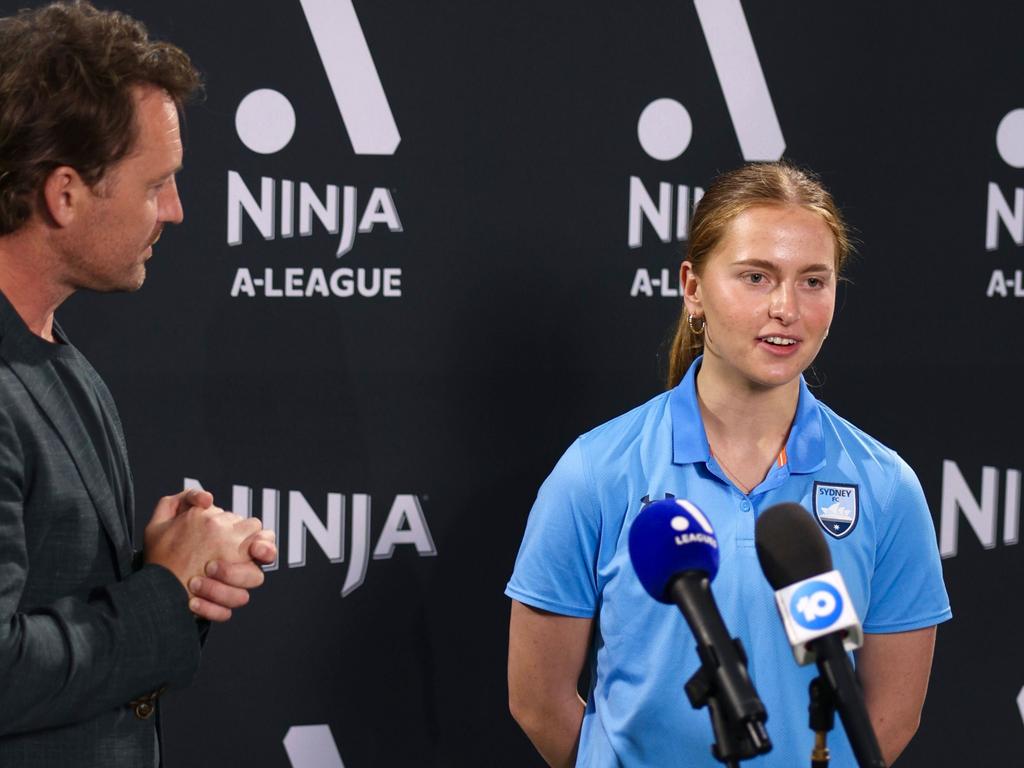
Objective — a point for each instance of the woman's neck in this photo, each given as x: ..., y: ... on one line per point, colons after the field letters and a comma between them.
x: 746, y: 425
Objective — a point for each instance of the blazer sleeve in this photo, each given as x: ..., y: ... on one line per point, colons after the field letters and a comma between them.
x: 73, y: 658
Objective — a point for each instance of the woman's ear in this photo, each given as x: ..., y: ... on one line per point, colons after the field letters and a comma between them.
x: 689, y: 282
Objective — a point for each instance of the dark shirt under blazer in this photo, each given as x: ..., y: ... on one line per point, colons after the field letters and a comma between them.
x: 83, y: 631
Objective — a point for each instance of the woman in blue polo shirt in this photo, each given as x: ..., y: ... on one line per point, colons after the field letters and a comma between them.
x: 737, y: 432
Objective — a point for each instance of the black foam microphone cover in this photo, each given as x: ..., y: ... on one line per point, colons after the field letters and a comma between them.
x: 790, y: 545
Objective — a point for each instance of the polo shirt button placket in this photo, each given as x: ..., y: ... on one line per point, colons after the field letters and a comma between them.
x: 745, y: 505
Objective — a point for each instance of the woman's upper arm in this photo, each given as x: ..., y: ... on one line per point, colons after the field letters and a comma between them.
x: 546, y: 652
x: 893, y: 670
x: 554, y: 593
x: 553, y: 588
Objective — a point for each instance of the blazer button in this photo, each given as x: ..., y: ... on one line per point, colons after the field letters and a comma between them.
x: 144, y: 706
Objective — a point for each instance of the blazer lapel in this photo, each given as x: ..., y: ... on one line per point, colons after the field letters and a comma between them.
x: 128, y: 502
x: 45, y: 389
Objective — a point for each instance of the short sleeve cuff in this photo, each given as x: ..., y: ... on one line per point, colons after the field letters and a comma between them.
x: 551, y: 606
x: 885, y: 628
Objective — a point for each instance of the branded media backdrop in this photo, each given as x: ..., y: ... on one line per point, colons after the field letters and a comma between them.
x: 427, y: 244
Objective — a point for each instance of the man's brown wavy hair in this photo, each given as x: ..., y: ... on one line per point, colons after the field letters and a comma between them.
x: 67, y: 74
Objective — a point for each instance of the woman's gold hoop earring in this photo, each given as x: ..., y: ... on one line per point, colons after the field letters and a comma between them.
x: 696, y: 331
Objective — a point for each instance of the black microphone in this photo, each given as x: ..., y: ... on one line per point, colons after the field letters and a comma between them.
x: 675, y: 555
x: 817, y: 613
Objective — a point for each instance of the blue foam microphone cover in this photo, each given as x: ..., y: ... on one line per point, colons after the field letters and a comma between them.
x: 668, y: 538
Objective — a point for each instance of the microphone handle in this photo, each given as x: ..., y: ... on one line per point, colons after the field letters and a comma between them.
x: 835, y: 667
x: 691, y: 591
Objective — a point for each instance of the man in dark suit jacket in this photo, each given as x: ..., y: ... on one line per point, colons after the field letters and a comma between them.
x: 90, y: 634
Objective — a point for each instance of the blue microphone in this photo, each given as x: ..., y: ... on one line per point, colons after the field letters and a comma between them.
x: 675, y: 555
x: 670, y: 537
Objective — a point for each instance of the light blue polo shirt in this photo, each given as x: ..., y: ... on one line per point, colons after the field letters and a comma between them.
x: 574, y: 561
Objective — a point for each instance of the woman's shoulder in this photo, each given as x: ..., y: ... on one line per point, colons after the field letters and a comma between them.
x: 843, y: 435
x: 630, y: 426
x: 642, y: 428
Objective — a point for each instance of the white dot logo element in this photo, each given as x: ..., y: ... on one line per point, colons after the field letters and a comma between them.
x: 664, y: 129
x: 679, y: 523
x: 1010, y: 138
x: 265, y: 121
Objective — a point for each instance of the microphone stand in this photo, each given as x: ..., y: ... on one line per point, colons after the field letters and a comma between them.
x: 836, y: 673
x: 722, y: 682
x: 735, y: 739
x: 822, y: 711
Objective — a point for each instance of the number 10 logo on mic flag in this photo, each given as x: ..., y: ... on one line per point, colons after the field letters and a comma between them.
x: 816, y: 607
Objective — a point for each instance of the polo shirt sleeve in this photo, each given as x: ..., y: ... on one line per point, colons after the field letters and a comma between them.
x: 907, y: 591
x: 556, y: 569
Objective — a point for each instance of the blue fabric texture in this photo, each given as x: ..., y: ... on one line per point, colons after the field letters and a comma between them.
x: 574, y: 561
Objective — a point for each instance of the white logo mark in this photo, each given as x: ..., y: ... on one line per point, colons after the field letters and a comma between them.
x: 265, y: 118
x: 697, y: 515
x: 816, y: 605
x: 312, y: 746
x: 665, y: 129
x: 1010, y: 138
x: 265, y: 121
x: 679, y: 523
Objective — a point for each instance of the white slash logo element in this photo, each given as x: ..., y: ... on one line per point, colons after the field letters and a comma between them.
x: 312, y: 746
x: 1020, y: 703
x: 743, y: 84
x: 353, y: 76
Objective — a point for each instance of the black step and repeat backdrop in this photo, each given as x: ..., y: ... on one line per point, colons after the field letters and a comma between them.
x: 427, y: 244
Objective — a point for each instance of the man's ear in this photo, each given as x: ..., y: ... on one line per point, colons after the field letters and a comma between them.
x: 690, y: 282
x: 64, y: 195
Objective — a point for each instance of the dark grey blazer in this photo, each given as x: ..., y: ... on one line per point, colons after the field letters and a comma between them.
x: 82, y: 631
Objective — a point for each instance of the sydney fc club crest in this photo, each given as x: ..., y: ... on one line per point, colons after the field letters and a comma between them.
x: 836, y: 507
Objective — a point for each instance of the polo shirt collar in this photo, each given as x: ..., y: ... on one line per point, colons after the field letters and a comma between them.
x: 805, y: 448
x: 689, y: 440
